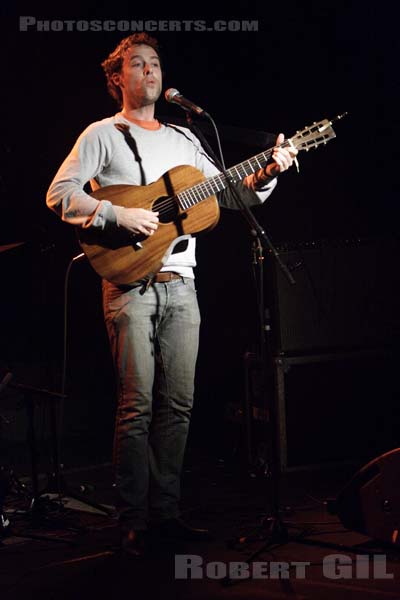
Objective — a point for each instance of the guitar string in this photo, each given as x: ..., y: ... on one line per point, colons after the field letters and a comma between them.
x: 169, y: 202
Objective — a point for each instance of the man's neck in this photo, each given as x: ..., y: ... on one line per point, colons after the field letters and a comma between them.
x: 143, y: 113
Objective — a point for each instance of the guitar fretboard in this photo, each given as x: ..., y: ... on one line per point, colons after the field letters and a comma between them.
x: 217, y: 183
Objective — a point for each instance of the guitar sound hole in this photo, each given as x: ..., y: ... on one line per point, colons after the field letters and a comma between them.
x: 168, y: 209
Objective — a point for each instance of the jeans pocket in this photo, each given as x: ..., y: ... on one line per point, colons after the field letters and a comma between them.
x: 115, y: 300
x: 190, y: 283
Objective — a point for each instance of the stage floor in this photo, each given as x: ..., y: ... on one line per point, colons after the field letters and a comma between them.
x: 74, y: 553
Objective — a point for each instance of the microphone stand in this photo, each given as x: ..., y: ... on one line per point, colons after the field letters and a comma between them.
x: 56, y: 482
x: 274, y: 530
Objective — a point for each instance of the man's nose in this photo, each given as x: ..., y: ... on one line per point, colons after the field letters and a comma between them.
x: 148, y: 68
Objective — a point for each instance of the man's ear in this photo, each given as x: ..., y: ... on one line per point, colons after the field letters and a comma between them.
x: 116, y: 79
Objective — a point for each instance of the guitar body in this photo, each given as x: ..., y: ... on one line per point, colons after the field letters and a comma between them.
x: 123, y: 259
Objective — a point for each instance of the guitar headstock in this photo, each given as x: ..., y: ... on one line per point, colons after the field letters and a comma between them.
x: 316, y: 134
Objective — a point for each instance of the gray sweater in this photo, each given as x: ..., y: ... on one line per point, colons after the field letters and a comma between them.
x: 102, y: 157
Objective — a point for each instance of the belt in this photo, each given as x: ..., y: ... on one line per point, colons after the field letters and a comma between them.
x: 164, y: 276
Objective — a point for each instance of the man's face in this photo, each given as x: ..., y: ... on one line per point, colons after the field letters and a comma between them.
x: 140, y: 78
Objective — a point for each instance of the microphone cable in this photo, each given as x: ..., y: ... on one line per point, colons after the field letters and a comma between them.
x: 59, y: 421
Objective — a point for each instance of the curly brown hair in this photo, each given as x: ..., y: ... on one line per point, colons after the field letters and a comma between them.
x: 113, y: 62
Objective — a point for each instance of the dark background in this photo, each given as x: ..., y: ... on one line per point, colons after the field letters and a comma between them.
x: 308, y: 61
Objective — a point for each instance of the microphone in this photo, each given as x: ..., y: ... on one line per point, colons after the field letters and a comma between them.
x: 172, y: 95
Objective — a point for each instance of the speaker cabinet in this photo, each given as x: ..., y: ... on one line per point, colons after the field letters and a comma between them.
x: 370, y: 502
x: 346, y: 295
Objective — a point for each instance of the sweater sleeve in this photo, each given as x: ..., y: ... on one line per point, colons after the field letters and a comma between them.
x: 66, y: 195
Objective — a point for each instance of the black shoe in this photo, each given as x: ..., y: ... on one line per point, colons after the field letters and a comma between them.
x: 134, y: 543
x: 175, y: 529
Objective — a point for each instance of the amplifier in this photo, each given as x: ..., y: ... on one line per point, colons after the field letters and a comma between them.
x: 346, y: 295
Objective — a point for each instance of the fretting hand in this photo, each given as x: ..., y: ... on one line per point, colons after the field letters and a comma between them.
x: 283, y: 158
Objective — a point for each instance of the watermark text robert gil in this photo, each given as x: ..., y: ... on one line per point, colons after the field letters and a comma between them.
x: 334, y: 566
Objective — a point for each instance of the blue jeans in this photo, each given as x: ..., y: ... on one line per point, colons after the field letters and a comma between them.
x: 154, y: 341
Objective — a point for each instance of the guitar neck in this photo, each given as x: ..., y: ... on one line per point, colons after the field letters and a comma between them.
x: 309, y: 137
x: 219, y: 182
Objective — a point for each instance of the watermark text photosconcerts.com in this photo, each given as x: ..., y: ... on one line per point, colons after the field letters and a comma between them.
x: 29, y: 23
